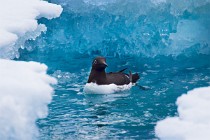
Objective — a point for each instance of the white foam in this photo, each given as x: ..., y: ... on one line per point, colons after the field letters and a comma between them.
x: 25, y: 92
x: 193, y: 120
x: 19, y: 21
x: 93, y: 88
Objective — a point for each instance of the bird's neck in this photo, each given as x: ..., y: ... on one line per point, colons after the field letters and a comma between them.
x: 97, y: 76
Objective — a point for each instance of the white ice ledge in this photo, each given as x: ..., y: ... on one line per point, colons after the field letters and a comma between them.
x: 25, y: 92
x: 18, y: 18
x: 193, y: 120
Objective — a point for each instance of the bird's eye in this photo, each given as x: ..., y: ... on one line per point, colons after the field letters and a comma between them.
x: 95, y: 62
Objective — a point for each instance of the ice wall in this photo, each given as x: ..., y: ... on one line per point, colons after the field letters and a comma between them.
x: 130, y: 28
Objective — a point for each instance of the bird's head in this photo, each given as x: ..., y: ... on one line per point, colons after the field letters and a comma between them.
x: 99, y: 63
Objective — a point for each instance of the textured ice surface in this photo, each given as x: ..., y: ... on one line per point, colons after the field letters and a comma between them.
x: 193, y: 120
x: 130, y: 28
x: 25, y: 88
x: 25, y: 92
x: 19, y: 23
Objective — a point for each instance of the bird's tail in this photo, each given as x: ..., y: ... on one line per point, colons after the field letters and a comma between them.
x: 135, y: 77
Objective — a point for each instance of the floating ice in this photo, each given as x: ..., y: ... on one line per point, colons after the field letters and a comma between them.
x: 25, y: 92
x: 18, y: 23
x: 25, y: 88
x: 93, y: 88
x: 193, y: 120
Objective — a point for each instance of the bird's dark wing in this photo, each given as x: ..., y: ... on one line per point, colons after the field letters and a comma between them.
x: 118, y: 78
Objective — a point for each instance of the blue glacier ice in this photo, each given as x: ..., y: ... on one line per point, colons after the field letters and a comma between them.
x: 166, y: 41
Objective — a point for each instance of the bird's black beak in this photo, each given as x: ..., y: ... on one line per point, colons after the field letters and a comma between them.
x: 105, y: 63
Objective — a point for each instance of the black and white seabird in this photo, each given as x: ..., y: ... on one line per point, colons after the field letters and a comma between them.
x: 100, y: 77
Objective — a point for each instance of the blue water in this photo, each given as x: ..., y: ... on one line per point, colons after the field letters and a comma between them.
x: 130, y: 34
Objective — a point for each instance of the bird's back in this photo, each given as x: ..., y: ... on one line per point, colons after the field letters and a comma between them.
x: 118, y: 78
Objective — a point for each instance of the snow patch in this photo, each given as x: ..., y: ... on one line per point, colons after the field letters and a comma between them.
x: 25, y: 92
x: 193, y: 120
x: 19, y: 20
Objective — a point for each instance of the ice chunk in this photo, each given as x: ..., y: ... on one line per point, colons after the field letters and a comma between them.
x: 18, y: 19
x: 25, y: 92
x: 193, y: 120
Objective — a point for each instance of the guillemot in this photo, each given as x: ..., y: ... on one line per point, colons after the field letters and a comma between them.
x: 100, y: 77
